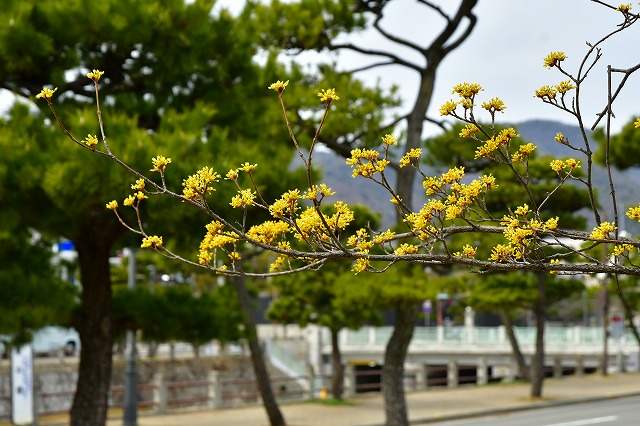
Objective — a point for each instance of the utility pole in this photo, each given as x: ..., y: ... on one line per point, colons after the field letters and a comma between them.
x: 130, y: 380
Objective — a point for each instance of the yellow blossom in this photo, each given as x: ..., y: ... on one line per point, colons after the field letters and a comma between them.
x: 448, y: 107
x: 129, y: 201
x: 234, y: 255
x: 243, y: 199
x: 199, y: 184
x: 406, y: 249
x: 527, y: 148
x: 552, y: 223
x: 95, y: 75
x: 360, y: 265
x: 389, y: 140
x: 91, y: 141
x: 601, y: 232
x: 560, y: 138
x: 246, y: 167
x: 453, y: 174
x: 278, y: 86
x: 636, y: 123
x: 557, y: 165
x: 634, y: 213
x: 502, y: 253
x: 494, y: 105
x: 267, y: 232
x: 414, y: 153
x: 396, y: 200
x: 138, y: 185
x: 467, y: 90
x: 141, y: 195
x: 232, y: 174
x: 548, y: 92
x: 384, y: 237
x: 620, y: 249
x: 160, y: 163
x: 46, y: 93
x: 554, y: 262
x: 286, y: 205
x: 277, y: 264
x: 469, y: 131
x: 489, y: 181
x: 153, y: 241
x: 112, y: 205
x: 328, y: 96
x: 469, y: 251
x: 522, y: 210
x: 565, y: 86
x: 553, y: 59
x: 624, y: 8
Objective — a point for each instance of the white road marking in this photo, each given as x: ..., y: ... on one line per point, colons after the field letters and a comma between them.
x: 587, y: 421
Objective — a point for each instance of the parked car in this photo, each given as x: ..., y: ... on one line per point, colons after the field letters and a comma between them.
x: 52, y: 340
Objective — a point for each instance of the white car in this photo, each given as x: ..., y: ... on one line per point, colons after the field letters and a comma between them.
x: 53, y: 340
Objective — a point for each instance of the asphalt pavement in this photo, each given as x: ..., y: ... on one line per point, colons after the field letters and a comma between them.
x: 436, y: 404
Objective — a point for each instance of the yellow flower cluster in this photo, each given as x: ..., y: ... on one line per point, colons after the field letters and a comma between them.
x: 95, y: 75
x: 467, y: 90
x: 624, y: 8
x: 560, y: 138
x: 523, y: 152
x: 494, y: 105
x: 448, y: 107
x: 553, y: 59
x: 360, y: 265
x: 366, y: 162
x: 323, y: 190
x: 46, y: 93
x: 244, y: 198
x: 138, y: 185
x: 601, y: 232
x: 384, y: 237
x: 413, y: 154
x: 503, y: 138
x: 199, y: 184
x: 309, y: 223
x: 214, y: 238
x: 406, y: 249
x: 636, y: 124
x: 328, y: 95
x: 112, y: 205
x: 565, y: 86
x: 159, y: 162
x: 503, y: 253
x: 153, y: 241
x: 520, y: 230
x: 389, y: 140
x: 279, y: 86
x: 554, y: 262
x: 621, y: 249
x: 131, y: 199
x: 567, y: 165
x: 287, y: 205
x: 420, y: 222
x: 634, y: 213
x: 90, y: 141
x: 267, y: 232
x: 467, y: 251
x: 468, y: 131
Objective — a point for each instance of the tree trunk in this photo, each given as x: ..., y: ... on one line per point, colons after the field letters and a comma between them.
x: 523, y: 368
x: 537, y: 366
x: 257, y: 358
x: 337, y: 378
x: 95, y: 327
x: 393, y: 373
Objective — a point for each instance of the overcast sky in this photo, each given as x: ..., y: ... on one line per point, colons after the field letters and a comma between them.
x: 505, y: 53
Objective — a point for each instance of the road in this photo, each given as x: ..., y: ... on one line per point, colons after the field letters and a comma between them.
x: 615, y: 412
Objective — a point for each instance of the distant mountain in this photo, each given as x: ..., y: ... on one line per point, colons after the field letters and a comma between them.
x: 337, y: 175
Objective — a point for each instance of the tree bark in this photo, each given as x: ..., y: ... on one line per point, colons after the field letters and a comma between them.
x: 393, y: 373
x: 95, y: 327
x: 537, y: 366
x: 337, y: 378
x: 523, y: 368
x: 257, y: 357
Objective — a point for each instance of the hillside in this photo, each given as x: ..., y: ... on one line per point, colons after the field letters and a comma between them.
x: 540, y: 132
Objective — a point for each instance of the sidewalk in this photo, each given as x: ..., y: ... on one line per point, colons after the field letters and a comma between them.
x: 437, y: 403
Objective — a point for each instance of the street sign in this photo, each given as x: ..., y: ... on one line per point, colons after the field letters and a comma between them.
x: 616, y: 326
x: 22, y: 412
